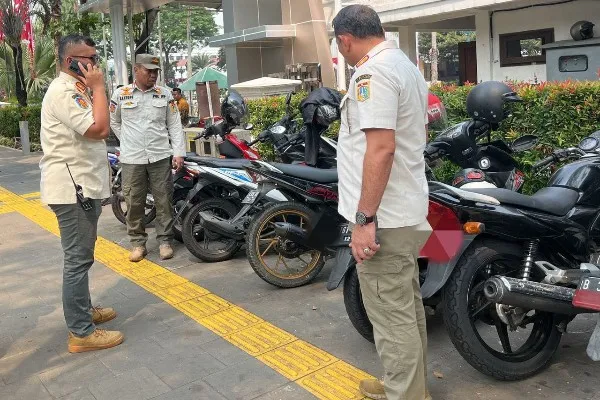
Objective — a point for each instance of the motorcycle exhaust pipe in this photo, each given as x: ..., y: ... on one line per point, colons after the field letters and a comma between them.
x: 221, y: 226
x: 531, y: 295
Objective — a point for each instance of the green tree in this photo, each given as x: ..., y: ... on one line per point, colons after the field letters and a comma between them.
x: 200, y: 61
x: 174, y: 30
x: 222, y: 59
x: 447, y: 45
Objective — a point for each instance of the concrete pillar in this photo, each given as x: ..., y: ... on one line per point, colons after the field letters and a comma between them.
x: 118, y: 41
x: 485, y: 57
x: 408, y: 42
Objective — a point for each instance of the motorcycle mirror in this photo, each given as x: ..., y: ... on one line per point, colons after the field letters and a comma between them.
x: 524, y: 143
x: 288, y: 99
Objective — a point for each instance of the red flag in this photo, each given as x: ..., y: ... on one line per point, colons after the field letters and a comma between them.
x: 22, y: 9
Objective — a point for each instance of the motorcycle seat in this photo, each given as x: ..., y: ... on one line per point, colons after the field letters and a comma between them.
x: 308, y: 173
x: 212, y: 162
x: 551, y: 200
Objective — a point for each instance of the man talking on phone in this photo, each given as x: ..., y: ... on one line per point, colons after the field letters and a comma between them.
x: 145, y: 117
x: 75, y: 178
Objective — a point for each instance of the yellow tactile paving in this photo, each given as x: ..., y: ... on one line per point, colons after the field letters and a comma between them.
x: 4, y: 209
x: 180, y: 293
x: 310, y: 367
x: 33, y: 195
x: 261, y: 338
x: 338, y: 381
x: 229, y: 321
x: 297, y: 359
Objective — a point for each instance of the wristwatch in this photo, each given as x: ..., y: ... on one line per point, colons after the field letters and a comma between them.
x: 362, y: 219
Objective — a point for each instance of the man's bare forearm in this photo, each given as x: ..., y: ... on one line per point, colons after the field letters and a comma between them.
x: 377, y: 166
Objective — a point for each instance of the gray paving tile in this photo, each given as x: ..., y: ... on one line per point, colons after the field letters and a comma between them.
x: 184, y: 338
x: 246, y: 380
x: 197, y: 390
x: 131, y: 354
x: 8, y: 347
x: 28, y: 389
x: 290, y: 391
x: 73, y: 377
x: 31, y: 363
x: 137, y: 319
x: 178, y: 370
x: 83, y: 394
x: 135, y: 384
x: 225, y: 352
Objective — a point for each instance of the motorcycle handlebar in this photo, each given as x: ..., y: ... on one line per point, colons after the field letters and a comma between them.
x: 544, y: 162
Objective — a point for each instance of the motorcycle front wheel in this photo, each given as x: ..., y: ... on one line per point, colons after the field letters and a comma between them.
x: 281, y: 262
x: 475, y: 326
x: 206, y: 245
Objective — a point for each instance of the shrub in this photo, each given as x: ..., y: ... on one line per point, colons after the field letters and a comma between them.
x: 9, y: 122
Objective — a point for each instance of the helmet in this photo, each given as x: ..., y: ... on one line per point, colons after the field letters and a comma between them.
x: 437, y: 119
x: 487, y: 101
x: 326, y: 114
x: 233, y: 108
x: 582, y: 30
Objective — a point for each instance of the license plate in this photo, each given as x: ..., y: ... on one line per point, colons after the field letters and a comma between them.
x: 587, y: 294
x: 250, y: 197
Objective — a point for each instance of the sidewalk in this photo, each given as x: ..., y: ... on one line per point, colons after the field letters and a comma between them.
x: 243, y: 340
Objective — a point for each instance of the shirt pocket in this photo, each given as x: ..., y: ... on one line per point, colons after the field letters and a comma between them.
x: 129, y: 107
x: 159, y: 109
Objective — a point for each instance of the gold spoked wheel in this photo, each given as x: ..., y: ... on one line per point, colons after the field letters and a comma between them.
x: 279, y: 261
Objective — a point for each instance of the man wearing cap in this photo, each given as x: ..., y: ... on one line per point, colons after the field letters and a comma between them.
x: 144, y: 117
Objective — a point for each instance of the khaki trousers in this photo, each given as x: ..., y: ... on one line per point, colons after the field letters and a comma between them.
x: 136, y: 180
x: 391, y: 293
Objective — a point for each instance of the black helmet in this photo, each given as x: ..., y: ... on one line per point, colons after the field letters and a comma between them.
x: 326, y: 114
x: 582, y: 30
x: 486, y: 101
x: 233, y: 108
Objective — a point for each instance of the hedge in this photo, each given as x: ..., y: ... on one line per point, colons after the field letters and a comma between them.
x: 559, y: 113
x: 9, y: 124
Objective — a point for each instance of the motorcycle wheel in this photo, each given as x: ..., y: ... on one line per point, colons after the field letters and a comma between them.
x: 120, y: 209
x: 197, y: 239
x: 355, y: 306
x: 177, y: 233
x: 259, y: 236
x: 466, y: 309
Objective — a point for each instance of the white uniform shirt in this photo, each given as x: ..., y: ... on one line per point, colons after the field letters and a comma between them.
x: 386, y: 91
x: 144, y: 121
x: 66, y: 115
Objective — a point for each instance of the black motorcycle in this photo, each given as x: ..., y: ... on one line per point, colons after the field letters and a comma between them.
x: 507, y: 297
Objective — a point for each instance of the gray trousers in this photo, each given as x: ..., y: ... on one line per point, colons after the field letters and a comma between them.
x: 137, y: 179
x: 78, y: 232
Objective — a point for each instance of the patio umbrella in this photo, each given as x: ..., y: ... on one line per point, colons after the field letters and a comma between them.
x: 204, y: 75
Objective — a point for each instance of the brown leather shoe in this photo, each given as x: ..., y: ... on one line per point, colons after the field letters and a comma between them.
x: 138, y: 253
x: 101, y: 315
x: 98, y: 340
x: 166, y: 251
x: 372, y: 388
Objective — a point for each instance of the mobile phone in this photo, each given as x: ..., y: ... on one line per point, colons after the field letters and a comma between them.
x: 74, y: 66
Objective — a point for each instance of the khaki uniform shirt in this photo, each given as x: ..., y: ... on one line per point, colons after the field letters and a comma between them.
x: 386, y: 91
x: 144, y: 121
x: 184, y: 110
x: 66, y: 116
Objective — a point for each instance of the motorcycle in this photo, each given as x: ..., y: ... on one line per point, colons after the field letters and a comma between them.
x: 524, y: 271
x: 222, y: 240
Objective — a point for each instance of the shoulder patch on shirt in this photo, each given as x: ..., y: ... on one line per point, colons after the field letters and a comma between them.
x: 126, y: 91
x: 363, y: 90
x: 80, y: 101
x: 113, y: 106
x: 81, y: 88
x: 363, y: 77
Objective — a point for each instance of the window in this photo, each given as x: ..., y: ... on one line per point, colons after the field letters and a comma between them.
x: 573, y: 63
x: 524, y: 48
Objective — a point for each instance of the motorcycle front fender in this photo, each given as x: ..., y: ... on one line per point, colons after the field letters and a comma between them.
x: 344, y: 261
x: 438, y: 273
